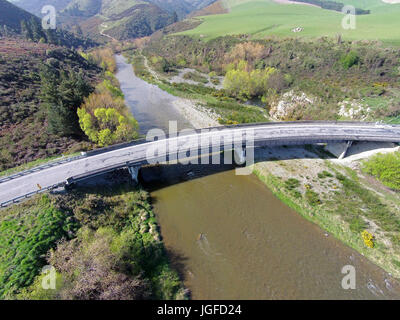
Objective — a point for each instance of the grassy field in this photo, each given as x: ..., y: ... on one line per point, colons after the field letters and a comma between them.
x: 265, y: 18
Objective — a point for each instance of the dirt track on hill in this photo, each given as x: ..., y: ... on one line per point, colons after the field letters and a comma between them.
x: 304, y: 3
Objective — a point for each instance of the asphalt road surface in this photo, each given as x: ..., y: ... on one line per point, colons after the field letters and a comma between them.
x: 264, y: 134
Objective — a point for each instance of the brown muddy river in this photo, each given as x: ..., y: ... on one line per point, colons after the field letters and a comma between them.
x: 230, y: 237
x: 236, y: 240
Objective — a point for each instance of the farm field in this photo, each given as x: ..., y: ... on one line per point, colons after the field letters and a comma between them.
x: 265, y: 18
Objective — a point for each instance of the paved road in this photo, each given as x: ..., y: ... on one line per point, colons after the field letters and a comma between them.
x: 264, y: 134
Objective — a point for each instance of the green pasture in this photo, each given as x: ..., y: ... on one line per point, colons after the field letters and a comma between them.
x: 261, y: 18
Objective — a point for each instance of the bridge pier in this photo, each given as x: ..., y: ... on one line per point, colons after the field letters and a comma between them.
x: 69, y: 183
x: 346, y: 149
x: 339, y: 149
x: 240, y: 156
x: 134, y: 172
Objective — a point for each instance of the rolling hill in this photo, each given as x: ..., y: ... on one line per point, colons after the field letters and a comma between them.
x: 35, y: 6
x: 182, y: 7
x: 265, y: 18
x: 119, y: 19
x: 11, y: 16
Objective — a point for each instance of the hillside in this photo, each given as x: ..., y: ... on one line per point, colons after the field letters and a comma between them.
x: 11, y: 15
x: 265, y: 18
x: 125, y: 19
x: 23, y: 123
x: 35, y: 6
x: 119, y: 19
x: 17, y: 22
x: 182, y: 7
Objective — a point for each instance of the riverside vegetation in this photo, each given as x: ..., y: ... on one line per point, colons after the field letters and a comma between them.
x: 386, y: 168
x: 58, y: 100
x: 104, y: 117
x: 42, y: 91
x: 324, y: 78
x: 112, y: 229
x: 339, y: 199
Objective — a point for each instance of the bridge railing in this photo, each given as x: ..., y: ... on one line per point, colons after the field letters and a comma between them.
x: 30, y: 194
x: 140, y: 141
x: 240, y: 125
x: 47, y: 165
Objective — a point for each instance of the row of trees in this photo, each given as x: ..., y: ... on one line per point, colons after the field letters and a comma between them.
x: 32, y: 30
x: 6, y: 31
x: 104, y: 57
x: 332, y: 5
x: 62, y: 92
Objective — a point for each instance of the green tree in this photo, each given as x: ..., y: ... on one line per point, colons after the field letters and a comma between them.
x: 244, y: 84
x: 175, y: 17
x: 37, y: 30
x: 26, y: 30
x: 107, y: 126
x: 349, y: 60
x: 63, y: 93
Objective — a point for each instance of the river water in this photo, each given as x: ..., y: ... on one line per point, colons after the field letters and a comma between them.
x: 151, y: 106
x: 231, y: 238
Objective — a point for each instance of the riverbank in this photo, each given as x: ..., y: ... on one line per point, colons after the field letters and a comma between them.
x: 204, y: 106
x: 338, y: 197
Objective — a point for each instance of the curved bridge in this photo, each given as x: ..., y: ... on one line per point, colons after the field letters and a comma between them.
x: 205, y: 141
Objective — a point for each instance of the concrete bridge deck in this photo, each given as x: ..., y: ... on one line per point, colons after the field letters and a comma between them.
x: 265, y: 134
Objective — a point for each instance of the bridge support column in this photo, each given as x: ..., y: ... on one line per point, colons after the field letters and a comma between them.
x: 240, y: 156
x: 134, y: 172
x: 346, y: 149
x: 69, y: 183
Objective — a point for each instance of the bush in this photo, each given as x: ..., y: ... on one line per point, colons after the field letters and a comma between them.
x: 105, y: 120
x: 116, y: 254
x: 244, y: 84
x: 93, y: 268
x: 325, y: 174
x: 292, y: 183
x: 357, y: 224
x: 312, y: 198
x: 368, y: 239
x: 113, y: 89
x: 349, y: 60
x: 386, y: 168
